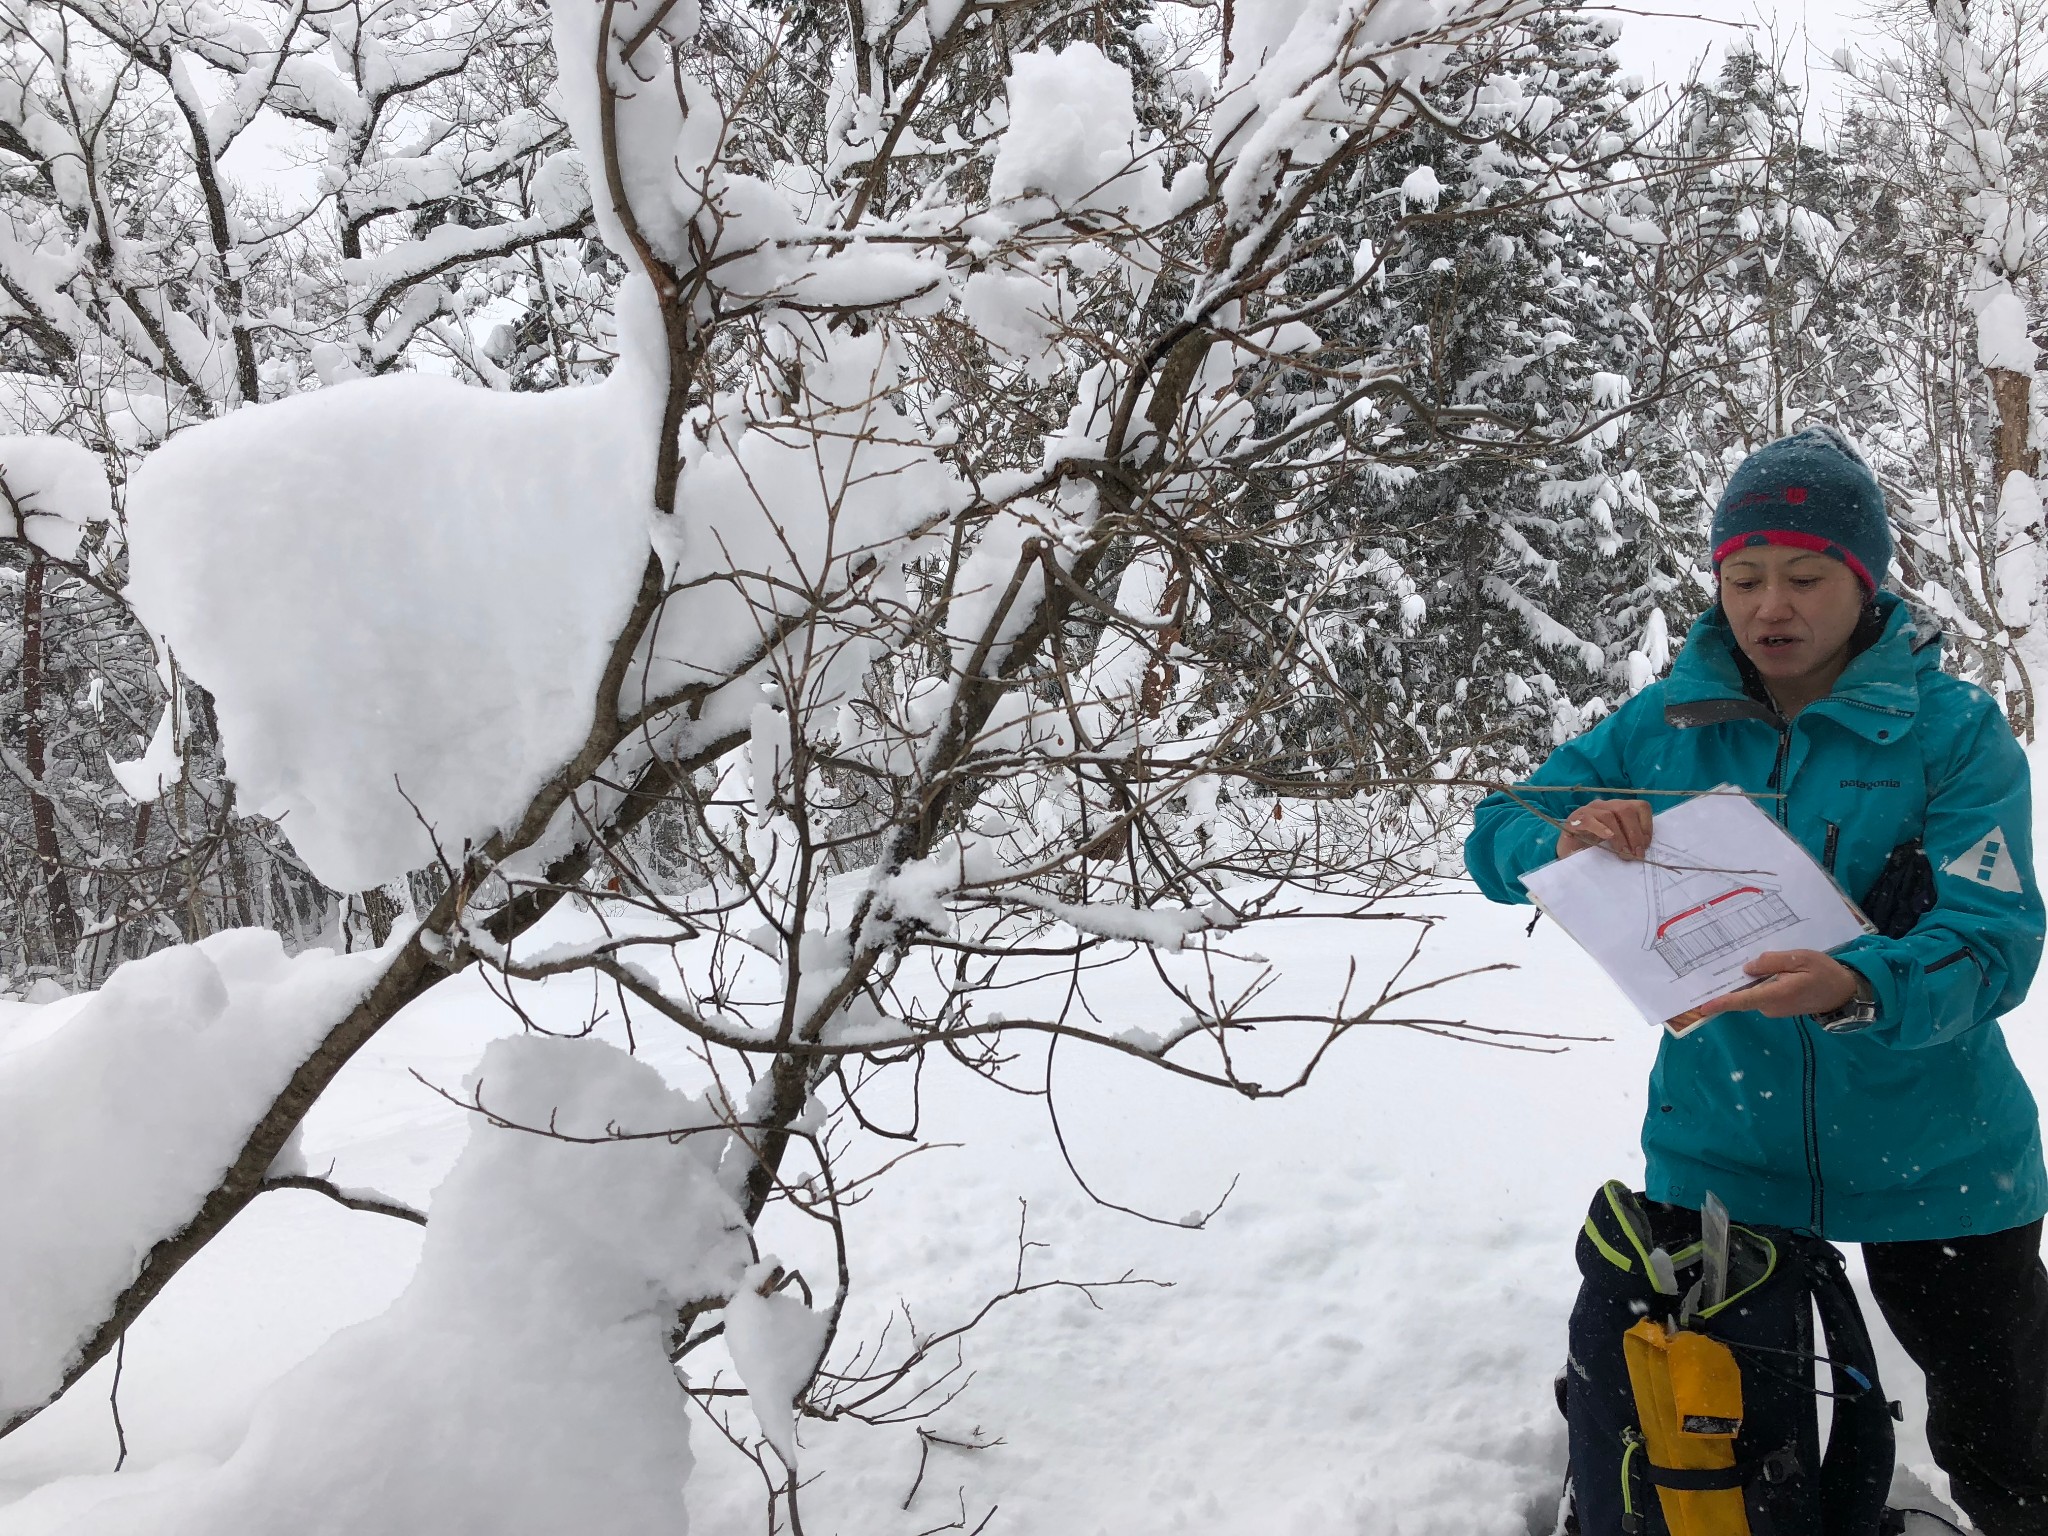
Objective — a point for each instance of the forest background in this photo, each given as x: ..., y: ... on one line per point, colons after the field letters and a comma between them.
x: 1488, y: 592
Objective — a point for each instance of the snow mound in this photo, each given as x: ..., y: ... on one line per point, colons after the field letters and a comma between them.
x: 121, y: 1108
x: 520, y: 1386
x: 401, y: 593
x: 53, y: 488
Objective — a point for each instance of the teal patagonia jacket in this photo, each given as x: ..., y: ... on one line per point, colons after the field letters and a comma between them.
x: 1919, y: 1125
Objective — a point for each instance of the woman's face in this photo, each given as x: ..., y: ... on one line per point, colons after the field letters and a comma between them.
x: 1792, y: 612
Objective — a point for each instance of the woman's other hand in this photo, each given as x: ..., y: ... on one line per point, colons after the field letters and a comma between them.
x: 1794, y: 981
x: 1619, y: 826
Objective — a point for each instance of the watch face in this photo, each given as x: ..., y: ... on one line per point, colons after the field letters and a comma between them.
x: 1853, y: 1016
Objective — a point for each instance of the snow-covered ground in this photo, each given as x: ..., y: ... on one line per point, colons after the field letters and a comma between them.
x: 1361, y: 1341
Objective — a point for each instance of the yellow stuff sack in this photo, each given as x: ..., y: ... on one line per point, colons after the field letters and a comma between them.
x: 1688, y: 1392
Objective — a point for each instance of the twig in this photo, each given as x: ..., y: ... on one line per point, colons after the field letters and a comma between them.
x: 927, y: 1438
x: 114, y: 1401
x: 355, y: 1200
x: 1067, y: 1157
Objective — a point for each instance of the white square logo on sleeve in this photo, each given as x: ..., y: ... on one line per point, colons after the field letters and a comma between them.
x: 1988, y: 862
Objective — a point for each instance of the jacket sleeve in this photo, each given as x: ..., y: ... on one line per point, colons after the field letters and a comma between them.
x: 1510, y: 835
x: 1971, y: 957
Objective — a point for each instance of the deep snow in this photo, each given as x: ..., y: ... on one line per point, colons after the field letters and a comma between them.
x: 1362, y: 1340
x: 520, y: 1382
x: 121, y: 1108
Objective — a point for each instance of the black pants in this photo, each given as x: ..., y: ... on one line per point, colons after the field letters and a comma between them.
x: 1973, y: 1314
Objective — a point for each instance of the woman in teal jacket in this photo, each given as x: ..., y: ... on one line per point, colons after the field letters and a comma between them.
x: 1866, y: 1095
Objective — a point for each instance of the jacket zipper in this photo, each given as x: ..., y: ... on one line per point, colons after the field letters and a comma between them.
x: 1809, y: 1113
x: 1776, y: 784
x: 1827, y: 857
x: 1817, y: 1206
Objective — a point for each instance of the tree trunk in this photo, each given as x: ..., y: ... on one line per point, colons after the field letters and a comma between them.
x: 42, y: 815
x: 383, y: 908
x: 2012, y: 394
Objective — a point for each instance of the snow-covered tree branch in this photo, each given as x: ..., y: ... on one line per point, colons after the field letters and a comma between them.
x: 918, y: 612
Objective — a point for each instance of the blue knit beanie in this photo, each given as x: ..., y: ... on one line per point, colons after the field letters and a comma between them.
x: 1811, y: 491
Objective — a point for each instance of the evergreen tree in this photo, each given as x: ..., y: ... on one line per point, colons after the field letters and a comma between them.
x: 1510, y: 593
x: 1766, y: 293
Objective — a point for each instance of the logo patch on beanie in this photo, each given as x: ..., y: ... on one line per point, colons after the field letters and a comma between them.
x: 1812, y: 491
x: 1794, y: 494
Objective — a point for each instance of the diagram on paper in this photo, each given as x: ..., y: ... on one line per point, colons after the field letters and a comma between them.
x: 1724, y: 883
x: 1699, y: 917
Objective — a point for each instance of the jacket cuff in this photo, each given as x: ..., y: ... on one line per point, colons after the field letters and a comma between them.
x: 1535, y: 847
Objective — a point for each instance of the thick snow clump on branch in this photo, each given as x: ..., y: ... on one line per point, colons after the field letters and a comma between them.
x: 521, y: 1385
x: 775, y: 1341
x: 1283, y: 103
x: 120, y: 1109
x: 160, y: 766
x: 1073, y: 136
x: 402, y: 593
x: 54, y: 488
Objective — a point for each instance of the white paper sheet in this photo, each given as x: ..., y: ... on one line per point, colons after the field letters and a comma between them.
x: 1723, y: 883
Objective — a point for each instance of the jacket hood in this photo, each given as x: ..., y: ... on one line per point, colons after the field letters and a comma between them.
x: 1705, y: 684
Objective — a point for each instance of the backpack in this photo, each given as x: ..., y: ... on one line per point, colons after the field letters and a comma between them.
x: 1689, y: 1394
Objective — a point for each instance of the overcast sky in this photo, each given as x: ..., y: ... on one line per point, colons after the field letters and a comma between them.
x: 1661, y: 38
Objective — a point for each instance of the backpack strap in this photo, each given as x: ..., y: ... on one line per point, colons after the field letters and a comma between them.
x: 1700, y: 1479
x: 1781, y: 1465
x: 1770, y: 1469
x: 1856, y: 1472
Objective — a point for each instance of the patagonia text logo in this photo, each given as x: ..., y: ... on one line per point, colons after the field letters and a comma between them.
x: 1870, y: 783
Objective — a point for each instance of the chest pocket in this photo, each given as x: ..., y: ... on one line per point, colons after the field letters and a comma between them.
x: 1877, y: 811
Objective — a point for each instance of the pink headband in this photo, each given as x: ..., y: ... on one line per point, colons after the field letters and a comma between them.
x: 1795, y: 540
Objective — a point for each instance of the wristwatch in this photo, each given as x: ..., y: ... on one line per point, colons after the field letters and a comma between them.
x: 1858, y: 1013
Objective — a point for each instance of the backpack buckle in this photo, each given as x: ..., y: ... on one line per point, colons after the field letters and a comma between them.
x: 1781, y: 1466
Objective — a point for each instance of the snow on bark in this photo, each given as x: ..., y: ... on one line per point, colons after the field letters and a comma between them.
x: 2020, y: 563
x: 121, y: 1108
x: 1982, y: 98
x: 654, y: 149
x: 401, y: 593
x: 521, y: 1384
x: 2002, y: 340
x: 49, y: 490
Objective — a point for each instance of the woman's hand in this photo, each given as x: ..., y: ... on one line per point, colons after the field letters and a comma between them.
x: 1620, y: 826
x: 1795, y: 981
